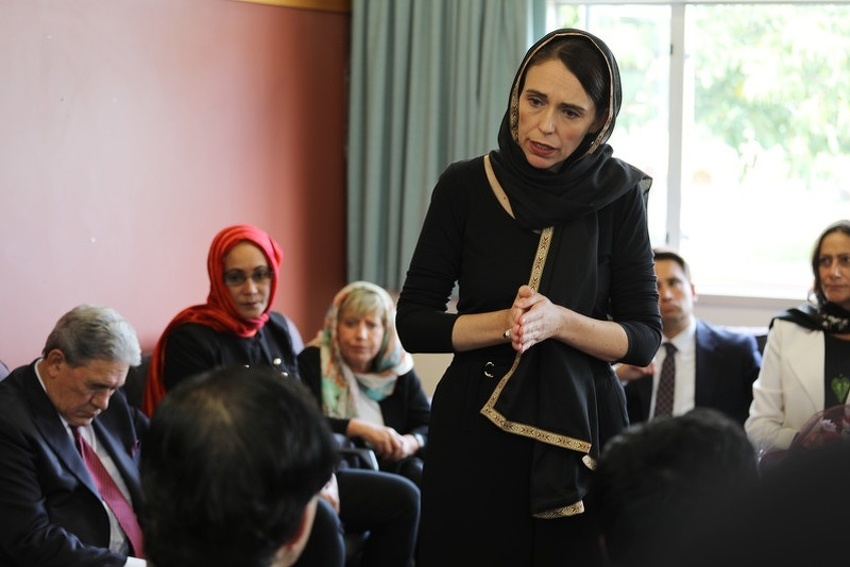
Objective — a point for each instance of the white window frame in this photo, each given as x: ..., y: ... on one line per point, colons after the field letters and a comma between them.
x: 731, y: 310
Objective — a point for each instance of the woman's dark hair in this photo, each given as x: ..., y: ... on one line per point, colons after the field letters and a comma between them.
x: 231, y: 460
x: 838, y: 226
x: 585, y: 61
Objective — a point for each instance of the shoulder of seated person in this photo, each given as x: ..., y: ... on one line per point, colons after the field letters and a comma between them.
x: 188, y: 329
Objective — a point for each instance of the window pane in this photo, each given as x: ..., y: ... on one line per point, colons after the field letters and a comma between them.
x: 765, y: 115
x: 639, y: 36
x: 766, y: 144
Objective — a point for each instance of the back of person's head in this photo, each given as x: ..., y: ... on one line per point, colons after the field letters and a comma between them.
x: 230, y: 468
x: 795, y: 515
x: 91, y: 332
x: 655, y: 477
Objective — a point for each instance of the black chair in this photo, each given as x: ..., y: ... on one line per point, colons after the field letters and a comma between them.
x: 353, y: 457
x: 134, y: 386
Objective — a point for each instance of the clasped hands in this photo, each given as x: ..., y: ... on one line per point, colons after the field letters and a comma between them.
x: 385, y: 441
x: 533, y: 318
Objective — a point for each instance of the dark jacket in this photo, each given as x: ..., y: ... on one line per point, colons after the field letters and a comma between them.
x: 727, y: 364
x: 50, y: 510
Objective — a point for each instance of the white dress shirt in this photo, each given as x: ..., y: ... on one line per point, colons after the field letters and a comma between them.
x: 117, y: 539
x: 686, y: 351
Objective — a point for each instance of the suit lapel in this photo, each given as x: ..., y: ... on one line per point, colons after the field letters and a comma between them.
x: 46, y: 419
x: 806, y: 358
x: 704, y: 384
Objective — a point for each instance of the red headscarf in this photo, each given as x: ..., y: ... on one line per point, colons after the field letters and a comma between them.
x: 219, y: 312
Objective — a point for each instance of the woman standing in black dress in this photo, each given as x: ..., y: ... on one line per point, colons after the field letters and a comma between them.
x: 547, y: 241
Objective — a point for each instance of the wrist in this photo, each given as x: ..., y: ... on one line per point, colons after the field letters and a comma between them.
x: 420, y: 440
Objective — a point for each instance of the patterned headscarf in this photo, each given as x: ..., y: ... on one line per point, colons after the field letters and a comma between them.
x: 219, y: 312
x: 342, y: 389
x: 591, y: 177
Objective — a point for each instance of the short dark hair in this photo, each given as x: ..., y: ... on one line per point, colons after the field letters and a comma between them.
x: 660, y: 253
x: 655, y: 477
x: 838, y: 226
x: 232, y: 458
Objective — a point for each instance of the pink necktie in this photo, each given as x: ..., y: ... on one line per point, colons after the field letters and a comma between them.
x: 666, y: 383
x: 110, y: 493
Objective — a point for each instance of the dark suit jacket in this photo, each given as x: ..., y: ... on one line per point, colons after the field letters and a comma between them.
x: 727, y: 364
x: 50, y: 511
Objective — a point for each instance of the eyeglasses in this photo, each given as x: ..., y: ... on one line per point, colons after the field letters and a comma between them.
x: 235, y: 278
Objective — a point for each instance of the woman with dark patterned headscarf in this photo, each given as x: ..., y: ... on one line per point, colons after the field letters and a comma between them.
x: 546, y: 240
x: 806, y: 364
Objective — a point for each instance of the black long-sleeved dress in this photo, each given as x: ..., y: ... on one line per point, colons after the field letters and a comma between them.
x: 478, y: 494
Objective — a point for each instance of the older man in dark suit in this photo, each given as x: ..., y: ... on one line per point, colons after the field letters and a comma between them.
x: 68, y: 449
x: 699, y: 365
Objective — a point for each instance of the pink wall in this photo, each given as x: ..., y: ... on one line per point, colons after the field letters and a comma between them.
x: 133, y: 130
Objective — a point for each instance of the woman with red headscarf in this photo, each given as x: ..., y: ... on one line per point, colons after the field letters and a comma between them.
x: 236, y: 327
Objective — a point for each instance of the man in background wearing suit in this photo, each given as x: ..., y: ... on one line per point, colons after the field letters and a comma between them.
x: 68, y: 449
x: 713, y: 367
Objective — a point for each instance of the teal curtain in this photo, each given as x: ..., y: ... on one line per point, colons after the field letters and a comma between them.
x: 429, y: 85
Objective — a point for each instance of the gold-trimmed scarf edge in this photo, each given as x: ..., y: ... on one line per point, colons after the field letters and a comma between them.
x: 562, y: 511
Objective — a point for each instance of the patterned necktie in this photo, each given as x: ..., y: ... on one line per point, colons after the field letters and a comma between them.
x: 110, y: 493
x: 667, y: 383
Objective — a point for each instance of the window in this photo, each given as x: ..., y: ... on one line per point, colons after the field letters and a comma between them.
x: 741, y: 114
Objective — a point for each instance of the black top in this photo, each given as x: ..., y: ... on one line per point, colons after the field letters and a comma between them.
x: 836, y: 370
x: 406, y: 410
x: 609, y: 275
x: 194, y: 348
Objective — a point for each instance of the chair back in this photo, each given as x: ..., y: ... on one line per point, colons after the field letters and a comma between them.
x: 134, y: 386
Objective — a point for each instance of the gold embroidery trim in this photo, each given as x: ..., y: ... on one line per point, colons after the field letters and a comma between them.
x: 534, y: 281
x: 489, y: 409
x: 571, y: 510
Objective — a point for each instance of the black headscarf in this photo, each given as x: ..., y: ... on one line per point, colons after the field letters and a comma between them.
x: 555, y: 394
x: 590, y: 178
x: 828, y: 317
